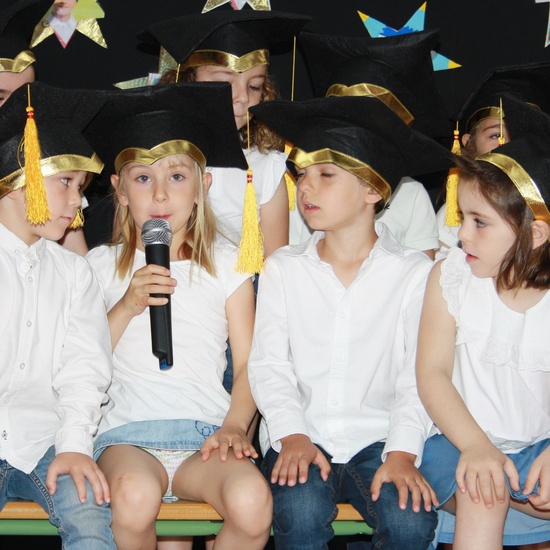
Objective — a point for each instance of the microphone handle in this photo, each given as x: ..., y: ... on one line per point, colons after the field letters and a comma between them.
x: 161, y: 316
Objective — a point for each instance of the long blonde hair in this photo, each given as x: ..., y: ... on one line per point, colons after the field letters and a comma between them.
x: 199, y: 238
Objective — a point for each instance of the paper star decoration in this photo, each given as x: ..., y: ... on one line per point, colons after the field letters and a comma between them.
x: 86, y: 13
x: 260, y: 5
x: 547, y: 40
x: 377, y: 29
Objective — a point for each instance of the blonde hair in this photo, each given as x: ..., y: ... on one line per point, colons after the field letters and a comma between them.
x: 261, y: 136
x: 199, y: 238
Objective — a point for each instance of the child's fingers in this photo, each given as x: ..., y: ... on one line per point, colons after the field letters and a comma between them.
x: 472, y: 486
x: 513, y: 476
x: 324, y: 466
x: 98, y: 488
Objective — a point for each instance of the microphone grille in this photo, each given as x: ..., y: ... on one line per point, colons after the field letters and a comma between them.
x: 156, y: 231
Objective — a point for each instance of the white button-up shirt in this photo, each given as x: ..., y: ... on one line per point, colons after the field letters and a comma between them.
x: 55, y: 364
x: 325, y: 359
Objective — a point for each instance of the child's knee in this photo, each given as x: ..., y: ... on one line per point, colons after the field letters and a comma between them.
x: 135, y: 500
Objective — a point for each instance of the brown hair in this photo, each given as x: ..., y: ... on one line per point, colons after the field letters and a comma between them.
x: 199, y: 238
x: 522, y: 265
x: 261, y: 136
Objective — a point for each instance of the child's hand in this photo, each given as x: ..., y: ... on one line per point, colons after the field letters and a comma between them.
x: 80, y: 467
x: 400, y: 470
x: 539, y: 471
x: 228, y: 437
x: 481, y: 469
x: 151, y: 279
x: 297, y: 454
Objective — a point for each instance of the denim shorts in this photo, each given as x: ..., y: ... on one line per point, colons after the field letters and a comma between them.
x: 170, y: 435
x: 439, y: 464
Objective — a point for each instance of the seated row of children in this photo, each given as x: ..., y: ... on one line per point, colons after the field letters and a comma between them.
x: 330, y: 356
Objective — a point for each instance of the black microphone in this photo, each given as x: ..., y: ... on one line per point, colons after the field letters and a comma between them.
x: 156, y: 236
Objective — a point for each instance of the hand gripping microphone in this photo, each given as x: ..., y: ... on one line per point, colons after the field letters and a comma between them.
x: 156, y: 236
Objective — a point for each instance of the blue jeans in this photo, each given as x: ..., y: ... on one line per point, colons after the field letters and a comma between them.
x: 302, y: 514
x: 81, y: 526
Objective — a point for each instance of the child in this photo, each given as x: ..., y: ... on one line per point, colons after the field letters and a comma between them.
x: 336, y: 324
x: 56, y: 360
x: 234, y: 46
x: 398, y: 71
x: 169, y: 432
x: 482, y: 363
x: 481, y: 126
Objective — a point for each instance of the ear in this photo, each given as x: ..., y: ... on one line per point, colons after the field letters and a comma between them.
x: 206, y: 183
x: 540, y: 232
x: 119, y: 190
x: 372, y: 196
x: 465, y: 139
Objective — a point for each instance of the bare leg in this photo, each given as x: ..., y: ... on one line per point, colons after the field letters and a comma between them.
x: 236, y: 490
x: 137, y: 481
x: 175, y: 543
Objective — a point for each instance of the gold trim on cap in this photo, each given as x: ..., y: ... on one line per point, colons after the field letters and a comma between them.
x: 482, y: 114
x: 149, y: 156
x: 49, y: 167
x: 17, y: 65
x: 363, y: 171
x: 372, y: 90
x: 523, y: 181
x: 228, y: 60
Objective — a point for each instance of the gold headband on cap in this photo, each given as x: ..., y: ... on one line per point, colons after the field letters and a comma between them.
x: 363, y: 171
x: 228, y: 60
x: 372, y: 90
x: 523, y: 181
x: 17, y: 65
x: 149, y: 156
x: 482, y: 114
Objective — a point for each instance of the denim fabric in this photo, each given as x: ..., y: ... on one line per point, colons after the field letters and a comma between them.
x: 303, y: 513
x: 439, y: 464
x: 81, y: 526
x: 173, y: 435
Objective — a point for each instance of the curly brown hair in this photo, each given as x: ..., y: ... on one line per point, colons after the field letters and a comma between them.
x: 261, y: 136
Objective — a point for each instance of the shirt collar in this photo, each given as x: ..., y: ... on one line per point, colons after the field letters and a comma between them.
x: 10, y: 242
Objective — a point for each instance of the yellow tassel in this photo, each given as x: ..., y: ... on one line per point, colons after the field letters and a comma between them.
x: 501, y: 139
x: 251, y: 256
x: 451, y: 215
x: 38, y: 211
x: 290, y: 182
x: 78, y: 221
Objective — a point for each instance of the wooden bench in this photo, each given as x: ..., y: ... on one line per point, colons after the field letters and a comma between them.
x: 182, y: 518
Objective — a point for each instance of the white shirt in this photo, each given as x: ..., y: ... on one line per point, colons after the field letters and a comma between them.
x: 502, y: 358
x: 56, y: 351
x: 63, y: 29
x: 192, y: 388
x: 325, y: 359
x: 226, y: 194
x: 409, y: 216
x: 448, y: 235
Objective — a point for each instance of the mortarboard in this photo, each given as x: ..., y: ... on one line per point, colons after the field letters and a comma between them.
x: 359, y: 134
x: 398, y: 70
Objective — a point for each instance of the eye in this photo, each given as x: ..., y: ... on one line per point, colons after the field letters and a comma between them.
x: 177, y: 177
x: 479, y: 223
x: 300, y: 175
x: 327, y: 174
x: 255, y: 88
x: 65, y: 180
x: 143, y: 178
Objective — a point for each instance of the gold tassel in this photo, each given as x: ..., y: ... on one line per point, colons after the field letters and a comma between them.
x: 501, y: 139
x: 251, y: 257
x: 178, y: 73
x: 38, y: 211
x: 290, y: 182
x: 78, y: 221
x: 451, y: 215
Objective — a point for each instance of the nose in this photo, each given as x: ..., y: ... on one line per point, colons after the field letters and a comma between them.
x: 240, y: 92
x: 463, y: 233
x: 159, y: 192
x: 304, y: 183
x: 76, y: 196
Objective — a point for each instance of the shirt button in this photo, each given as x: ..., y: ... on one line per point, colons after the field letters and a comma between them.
x: 29, y: 279
x: 17, y: 252
x: 4, y: 434
x: 29, y: 323
x: 22, y: 366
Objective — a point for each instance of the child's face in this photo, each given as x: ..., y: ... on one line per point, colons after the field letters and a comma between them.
x: 486, y: 136
x: 485, y: 236
x: 166, y: 189
x: 247, y: 87
x: 63, y: 192
x: 9, y: 82
x: 331, y: 198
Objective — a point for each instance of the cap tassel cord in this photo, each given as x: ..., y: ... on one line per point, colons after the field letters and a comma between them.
x: 289, y: 180
x: 501, y: 139
x: 451, y: 215
x: 251, y: 257
x: 78, y: 221
x: 38, y: 211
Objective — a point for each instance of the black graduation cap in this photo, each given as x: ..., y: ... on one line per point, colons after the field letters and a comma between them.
x: 359, y: 134
x: 147, y: 124
x: 17, y: 23
x: 223, y: 37
x: 397, y: 69
x: 526, y: 161
x: 59, y: 116
x: 529, y: 82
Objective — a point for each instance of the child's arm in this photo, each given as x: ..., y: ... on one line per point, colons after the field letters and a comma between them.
x: 148, y: 280
x: 481, y: 464
x: 539, y: 472
x: 240, y: 317
x: 274, y: 220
